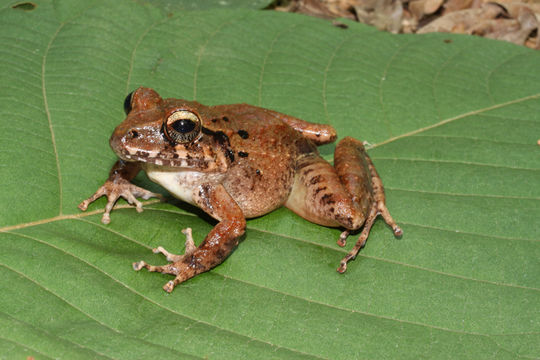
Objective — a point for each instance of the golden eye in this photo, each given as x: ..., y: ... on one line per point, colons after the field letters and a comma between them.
x: 182, y: 126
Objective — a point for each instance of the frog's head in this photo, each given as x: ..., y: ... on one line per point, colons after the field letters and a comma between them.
x: 169, y: 133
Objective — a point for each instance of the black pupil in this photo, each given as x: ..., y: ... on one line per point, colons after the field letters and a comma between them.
x: 183, y: 126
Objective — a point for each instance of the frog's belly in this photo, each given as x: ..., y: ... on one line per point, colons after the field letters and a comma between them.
x: 181, y: 183
x: 256, y: 196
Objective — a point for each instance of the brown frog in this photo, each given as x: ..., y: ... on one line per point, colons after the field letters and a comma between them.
x: 237, y: 162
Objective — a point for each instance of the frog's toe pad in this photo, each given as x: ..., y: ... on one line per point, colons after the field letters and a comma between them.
x: 343, y: 264
x: 138, y: 265
x: 169, y: 287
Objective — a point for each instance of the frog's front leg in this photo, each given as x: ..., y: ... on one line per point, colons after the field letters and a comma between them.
x: 217, y: 245
x: 118, y: 185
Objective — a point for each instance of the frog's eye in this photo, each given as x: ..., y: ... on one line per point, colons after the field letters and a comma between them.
x: 127, y: 103
x: 182, y: 126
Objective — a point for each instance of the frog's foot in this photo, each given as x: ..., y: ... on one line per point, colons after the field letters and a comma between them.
x: 379, y: 208
x: 383, y: 211
x: 173, y: 258
x: 115, y: 190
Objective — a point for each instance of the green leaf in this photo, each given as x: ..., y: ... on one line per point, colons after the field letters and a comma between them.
x: 453, y: 122
x: 183, y: 5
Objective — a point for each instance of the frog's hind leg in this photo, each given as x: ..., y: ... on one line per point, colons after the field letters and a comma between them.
x: 357, y: 173
x: 349, y: 194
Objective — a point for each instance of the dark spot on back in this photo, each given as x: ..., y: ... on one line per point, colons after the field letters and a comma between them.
x: 219, y: 136
x: 230, y: 154
x: 243, y: 134
x: 318, y: 190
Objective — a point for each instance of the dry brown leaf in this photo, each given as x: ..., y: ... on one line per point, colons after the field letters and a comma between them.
x: 309, y: 7
x: 416, y: 7
x: 509, y: 20
x: 431, y: 6
x: 528, y: 20
x: 463, y: 20
x: 455, y: 5
x: 513, y: 22
x: 384, y: 15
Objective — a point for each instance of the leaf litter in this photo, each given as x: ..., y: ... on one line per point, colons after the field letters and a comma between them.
x: 508, y: 20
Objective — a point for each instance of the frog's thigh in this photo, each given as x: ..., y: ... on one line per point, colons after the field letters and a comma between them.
x: 319, y: 196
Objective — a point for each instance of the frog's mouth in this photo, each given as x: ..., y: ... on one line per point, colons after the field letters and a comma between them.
x: 191, y: 156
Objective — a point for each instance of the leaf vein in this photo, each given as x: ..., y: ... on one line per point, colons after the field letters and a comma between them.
x: 454, y: 162
x: 62, y: 299
x: 25, y: 346
x: 251, y: 338
x: 390, y: 261
x: 481, y: 196
x: 48, y: 114
x: 267, y: 55
x: 202, y: 49
x: 457, y: 117
x: 73, y: 305
x: 470, y: 138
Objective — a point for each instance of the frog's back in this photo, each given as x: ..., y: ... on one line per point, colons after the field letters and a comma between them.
x: 265, y: 150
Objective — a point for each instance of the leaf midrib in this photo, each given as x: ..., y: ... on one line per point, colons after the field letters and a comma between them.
x: 82, y: 215
x: 458, y: 117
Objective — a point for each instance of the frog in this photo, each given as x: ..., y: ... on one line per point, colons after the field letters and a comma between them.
x: 237, y: 162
